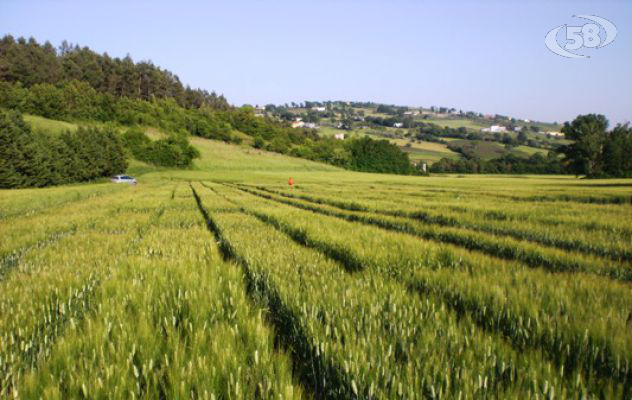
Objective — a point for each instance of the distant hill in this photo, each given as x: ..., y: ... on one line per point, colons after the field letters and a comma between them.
x: 426, y: 134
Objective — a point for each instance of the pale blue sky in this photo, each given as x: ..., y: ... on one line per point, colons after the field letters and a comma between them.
x: 482, y: 56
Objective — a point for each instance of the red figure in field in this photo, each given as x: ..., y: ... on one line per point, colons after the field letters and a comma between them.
x: 291, y: 182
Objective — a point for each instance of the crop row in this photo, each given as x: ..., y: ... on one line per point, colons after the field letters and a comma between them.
x: 506, y: 248
x: 598, y: 220
x: 532, y: 194
x: 577, y: 320
x: 562, y: 240
x: 172, y: 321
x: 384, y: 341
x: 11, y: 259
x: 54, y: 286
x: 30, y: 232
x: 29, y: 202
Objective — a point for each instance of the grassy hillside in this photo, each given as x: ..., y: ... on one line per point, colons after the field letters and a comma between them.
x: 49, y: 125
x: 458, y: 123
x: 426, y: 151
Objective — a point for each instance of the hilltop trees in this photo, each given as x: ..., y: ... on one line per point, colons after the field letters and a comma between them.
x: 30, y: 63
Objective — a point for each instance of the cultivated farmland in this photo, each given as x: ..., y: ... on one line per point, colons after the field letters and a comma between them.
x: 222, y: 282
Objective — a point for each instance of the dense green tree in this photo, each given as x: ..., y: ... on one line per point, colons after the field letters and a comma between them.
x: 46, y: 100
x: 588, y: 133
x: 30, y: 158
x: 617, y: 152
x: 173, y: 151
x: 258, y: 142
x: 14, y: 138
x: 371, y: 155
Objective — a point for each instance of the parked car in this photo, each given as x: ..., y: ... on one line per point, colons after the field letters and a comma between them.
x: 124, y: 179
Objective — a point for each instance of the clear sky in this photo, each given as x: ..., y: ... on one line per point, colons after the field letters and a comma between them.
x: 482, y: 56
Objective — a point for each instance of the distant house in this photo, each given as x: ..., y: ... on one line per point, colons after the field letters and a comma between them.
x: 298, y: 124
x: 310, y: 125
x: 494, y: 128
x: 319, y: 109
x: 556, y: 134
x: 339, y: 136
x: 398, y: 124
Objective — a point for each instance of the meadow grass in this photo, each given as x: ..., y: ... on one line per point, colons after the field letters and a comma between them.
x: 49, y: 125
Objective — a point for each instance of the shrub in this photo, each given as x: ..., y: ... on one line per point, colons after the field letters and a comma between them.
x: 173, y: 151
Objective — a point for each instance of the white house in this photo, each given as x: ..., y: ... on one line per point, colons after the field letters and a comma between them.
x: 339, y: 136
x: 494, y: 128
x: 398, y: 124
x: 319, y: 109
x: 297, y: 124
x: 309, y: 125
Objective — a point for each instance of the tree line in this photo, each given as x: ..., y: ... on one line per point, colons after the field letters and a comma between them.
x: 35, y: 159
x: 506, y: 164
x: 31, y: 63
x: 78, y: 101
